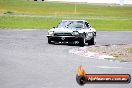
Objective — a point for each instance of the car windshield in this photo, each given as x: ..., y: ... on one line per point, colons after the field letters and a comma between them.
x: 71, y: 24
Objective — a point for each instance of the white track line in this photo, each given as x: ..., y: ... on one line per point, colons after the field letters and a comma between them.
x: 29, y: 29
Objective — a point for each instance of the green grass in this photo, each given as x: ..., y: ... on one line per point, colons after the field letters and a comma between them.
x: 45, y: 8
x: 39, y: 22
x: 102, y: 17
x: 130, y: 50
x: 27, y: 22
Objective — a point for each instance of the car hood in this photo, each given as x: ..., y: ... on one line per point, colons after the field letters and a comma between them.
x: 66, y: 30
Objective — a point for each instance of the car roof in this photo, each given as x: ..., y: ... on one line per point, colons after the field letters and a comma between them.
x: 74, y: 20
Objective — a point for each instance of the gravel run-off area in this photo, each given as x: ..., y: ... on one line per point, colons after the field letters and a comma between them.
x: 120, y: 52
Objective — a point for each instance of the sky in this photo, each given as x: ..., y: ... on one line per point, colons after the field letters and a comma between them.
x: 99, y: 1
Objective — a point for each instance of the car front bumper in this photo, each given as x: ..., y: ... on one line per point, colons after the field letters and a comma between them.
x: 64, y: 38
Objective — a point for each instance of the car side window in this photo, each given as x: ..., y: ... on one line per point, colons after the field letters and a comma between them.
x: 87, y: 25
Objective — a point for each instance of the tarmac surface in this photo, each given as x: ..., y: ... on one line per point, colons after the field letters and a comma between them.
x: 28, y: 61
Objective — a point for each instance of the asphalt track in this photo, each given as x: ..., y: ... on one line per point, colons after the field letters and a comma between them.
x: 28, y: 61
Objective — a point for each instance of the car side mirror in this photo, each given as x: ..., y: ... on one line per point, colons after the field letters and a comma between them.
x: 54, y: 27
x: 90, y: 26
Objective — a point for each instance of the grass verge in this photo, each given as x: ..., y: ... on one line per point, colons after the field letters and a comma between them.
x: 45, y: 15
x: 47, y: 22
x: 130, y: 50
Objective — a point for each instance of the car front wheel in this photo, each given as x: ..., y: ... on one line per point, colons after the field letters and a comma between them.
x: 49, y: 41
x: 91, y: 42
x: 94, y: 33
x: 82, y: 42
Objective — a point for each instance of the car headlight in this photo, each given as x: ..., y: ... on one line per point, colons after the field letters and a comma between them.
x: 90, y: 34
x: 75, y: 33
x: 51, y: 33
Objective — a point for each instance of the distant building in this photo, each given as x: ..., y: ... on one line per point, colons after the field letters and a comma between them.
x: 121, y: 2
